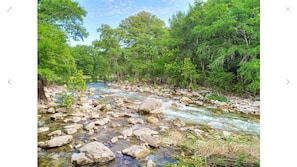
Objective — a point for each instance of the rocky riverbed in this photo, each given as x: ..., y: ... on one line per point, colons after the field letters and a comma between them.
x: 117, y: 131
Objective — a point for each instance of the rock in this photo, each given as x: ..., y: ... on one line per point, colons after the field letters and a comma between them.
x: 178, y: 122
x: 114, y: 140
x: 102, y: 121
x: 152, y: 120
x: 226, y: 133
x: 150, y: 140
x: 43, y: 129
x: 135, y: 121
x: 57, y: 116
x: 91, y: 132
x: 163, y: 128
x: 85, y: 107
x: 150, y: 163
x: 186, y: 100
x: 93, y: 152
x: 108, y: 107
x: 173, y: 106
x: 126, y: 133
x: 81, y: 159
x: 76, y: 126
x: 70, y: 131
x: 59, y: 141
x: 142, y: 131
x: 51, y: 110
x: 199, y: 103
x: 90, y: 126
x: 92, y: 89
x: 256, y: 104
x: 55, y: 133
x: 150, y: 106
x: 136, y: 151
x: 95, y: 116
x: 76, y: 119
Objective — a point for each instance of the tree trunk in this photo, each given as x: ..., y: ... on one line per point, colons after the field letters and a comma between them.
x: 42, y: 82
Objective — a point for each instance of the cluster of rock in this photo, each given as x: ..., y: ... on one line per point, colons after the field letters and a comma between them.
x: 190, y: 97
x: 91, y: 116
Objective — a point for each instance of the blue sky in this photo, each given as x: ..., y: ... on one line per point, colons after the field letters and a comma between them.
x: 111, y: 12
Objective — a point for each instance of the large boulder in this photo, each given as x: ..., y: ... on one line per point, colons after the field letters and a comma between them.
x: 150, y: 106
x: 59, y: 141
x: 136, y: 151
x: 93, y: 152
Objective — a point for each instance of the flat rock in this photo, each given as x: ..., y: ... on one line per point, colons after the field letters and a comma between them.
x: 135, y: 121
x: 90, y: 126
x: 55, y: 133
x: 127, y: 132
x: 102, y: 121
x: 93, y: 152
x: 70, y: 131
x: 142, y: 131
x: 150, y: 140
x: 152, y: 120
x: 59, y: 141
x: 136, y: 151
x: 43, y: 129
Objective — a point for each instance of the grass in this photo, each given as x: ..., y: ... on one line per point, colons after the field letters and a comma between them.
x: 217, y: 97
x: 214, y: 149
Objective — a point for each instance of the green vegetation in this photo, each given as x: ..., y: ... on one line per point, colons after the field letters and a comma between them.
x: 217, y: 97
x: 216, y: 43
x: 215, y: 149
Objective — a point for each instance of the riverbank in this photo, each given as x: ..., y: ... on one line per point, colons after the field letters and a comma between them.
x: 133, y: 136
x: 234, y: 104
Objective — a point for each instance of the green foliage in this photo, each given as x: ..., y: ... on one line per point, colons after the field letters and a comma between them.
x: 67, y: 100
x: 57, y: 22
x: 217, y: 97
x: 221, y: 80
x: 77, y: 82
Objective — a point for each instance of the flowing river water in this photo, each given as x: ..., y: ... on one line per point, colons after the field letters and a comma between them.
x: 198, y: 115
x: 190, y: 114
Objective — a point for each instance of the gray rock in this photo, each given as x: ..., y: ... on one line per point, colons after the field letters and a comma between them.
x: 150, y: 140
x: 135, y: 121
x: 150, y: 163
x: 43, y: 129
x: 59, y: 141
x: 93, y: 152
x: 90, y: 126
x: 102, y: 121
x: 55, y: 133
x: 70, y: 131
x: 150, y: 106
x: 146, y: 131
x: 136, y: 151
x: 127, y: 132
x: 152, y: 120
x: 76, y: 126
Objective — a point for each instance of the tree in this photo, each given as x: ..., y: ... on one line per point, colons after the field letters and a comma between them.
x: 57, y: 22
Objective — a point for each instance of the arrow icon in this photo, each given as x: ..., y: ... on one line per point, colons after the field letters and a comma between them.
x: 9, y: 81
x: 288, y: 81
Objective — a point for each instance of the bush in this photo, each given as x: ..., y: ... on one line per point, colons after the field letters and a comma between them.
x: 217, y: 97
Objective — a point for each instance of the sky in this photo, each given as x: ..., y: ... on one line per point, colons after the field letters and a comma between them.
x: 111, y: 12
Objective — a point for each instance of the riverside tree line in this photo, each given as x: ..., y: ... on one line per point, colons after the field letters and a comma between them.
x: 216, y: 43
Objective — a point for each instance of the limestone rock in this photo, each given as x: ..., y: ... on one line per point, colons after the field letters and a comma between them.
x: 150, y: 106
x: 186, y: 100
x: 90, y: 126
x: 70, y: 131
x: 43, y: 129
x: 150, y: 140
x: 59, y: 141
x: 142, y: 131
x: 93, y: 152
x: 102, y: 121
x: 136, y: 151
x: 152, y: 120
x: 135, y: 121
x: 55, y: 133
x: 127, y: 132
x: 150, y: 163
